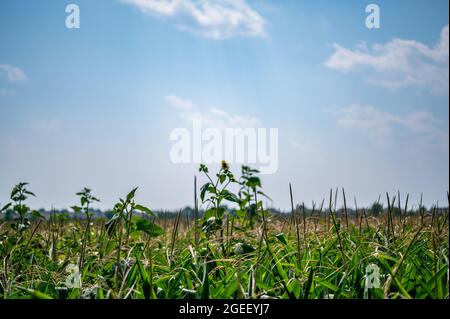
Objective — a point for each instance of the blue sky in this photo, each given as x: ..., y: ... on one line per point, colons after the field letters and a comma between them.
x: 365, y: 109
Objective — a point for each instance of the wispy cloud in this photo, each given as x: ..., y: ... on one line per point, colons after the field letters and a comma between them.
x: 214, y: 19
x: 215, y: 117
x: 47, y: 125
x: 398, y: 63
x: 12, y: 73
x: 179, y: 103
x: 384, y: 127
x: 211, y: 117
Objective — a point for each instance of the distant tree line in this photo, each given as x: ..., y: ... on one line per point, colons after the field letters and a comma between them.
x: 376, y: 209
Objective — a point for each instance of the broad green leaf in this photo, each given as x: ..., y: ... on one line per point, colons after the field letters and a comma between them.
x: 76, y: 209
x: 36, y: 214
x: 203, y: 190
x: 147, y: 227
x: 143, y: 209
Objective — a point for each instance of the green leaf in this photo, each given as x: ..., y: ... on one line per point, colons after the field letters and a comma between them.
x: 247, y: 249
x: 230, y: 287
x: 111, y: 224
x: 210, y: 213
x: 205, y: 284
x: 211, y: 223
x: 95, y: 199
x: 100, y: 293
x: 36, y: 294
x: 328, y: 285
x: 131, y: 194
x: 253, y: 182
x: 5, y: 207
x: 230, y: 196
x: 263, y: 194
x: 35, y: 213
x: 118, y: 208
x: 147, y: 227
x: 308, y: 283
x: 281, y: 238
x: 203, y: 190
x: 203, y: 168
x: 76, y: 209
x: 222, y: 178
x: 143, y: 209
x: 149, y: 293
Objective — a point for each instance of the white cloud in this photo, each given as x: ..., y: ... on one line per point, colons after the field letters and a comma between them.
x: 383, y: 127
x: 214, y: 19
x: 215, y: 117
x: 211, y: 117
x: 47, y: 125
x: 179, y: 103
x: 12, y: 73
x: 398, y: 63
